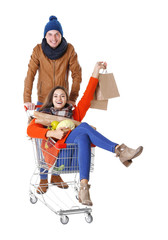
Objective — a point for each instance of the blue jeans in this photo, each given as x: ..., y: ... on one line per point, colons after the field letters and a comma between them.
x: 83, y: 136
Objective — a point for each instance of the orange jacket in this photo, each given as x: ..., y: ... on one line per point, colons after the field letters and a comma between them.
x: 35, y: 130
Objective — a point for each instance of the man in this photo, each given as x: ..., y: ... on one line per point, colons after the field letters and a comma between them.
x: 53, y: 59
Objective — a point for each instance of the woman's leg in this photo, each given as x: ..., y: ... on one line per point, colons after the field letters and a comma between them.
x: 83, y: 136
x: 124, y: 153
x: 84, y: 157
x: 95, y: 137
x: 84, y: 154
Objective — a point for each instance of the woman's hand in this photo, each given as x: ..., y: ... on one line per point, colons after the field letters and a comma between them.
x: 58, y: 133
x: 98, y: 66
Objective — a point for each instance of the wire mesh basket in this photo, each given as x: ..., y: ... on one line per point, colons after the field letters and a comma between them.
x: 58, y: 158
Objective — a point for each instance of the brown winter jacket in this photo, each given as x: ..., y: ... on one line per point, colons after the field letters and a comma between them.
x: 52, y: 73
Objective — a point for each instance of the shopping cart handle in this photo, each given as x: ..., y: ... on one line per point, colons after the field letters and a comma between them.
x: 60, y: 145
x: 25, y: 108
x: 64, y: 145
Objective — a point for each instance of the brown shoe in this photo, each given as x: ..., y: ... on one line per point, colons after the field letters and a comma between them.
x: 126, y: 154
x: 57, y: 180
x: 84, y: 196
x: 43, y: 186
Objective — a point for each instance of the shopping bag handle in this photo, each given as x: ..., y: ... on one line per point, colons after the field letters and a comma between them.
x: 104, y: 71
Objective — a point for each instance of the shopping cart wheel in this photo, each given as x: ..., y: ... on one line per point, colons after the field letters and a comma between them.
x: 88, y: 218
x: 76, y: 192
x: 64, y: 219
x: 33, y: 199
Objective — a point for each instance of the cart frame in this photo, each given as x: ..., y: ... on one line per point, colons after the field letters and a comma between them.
x: 54, y: 169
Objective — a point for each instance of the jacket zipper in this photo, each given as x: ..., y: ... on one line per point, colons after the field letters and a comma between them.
x: 54, y: 76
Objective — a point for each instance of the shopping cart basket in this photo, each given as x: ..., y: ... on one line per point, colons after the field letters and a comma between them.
x: 64, y: 158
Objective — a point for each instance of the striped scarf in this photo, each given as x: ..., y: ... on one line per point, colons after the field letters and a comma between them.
x: 64, y: 112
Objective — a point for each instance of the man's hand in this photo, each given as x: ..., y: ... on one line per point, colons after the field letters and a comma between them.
x: 72, y: 102
x: 29, y: 106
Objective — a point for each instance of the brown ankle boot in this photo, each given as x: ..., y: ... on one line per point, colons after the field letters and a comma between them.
x: 43, y: 186
x: 126, y: 154
x: 84, y: 196
x: 57, y: 180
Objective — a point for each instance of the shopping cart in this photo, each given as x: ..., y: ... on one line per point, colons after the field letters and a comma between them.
x: 64, y: 158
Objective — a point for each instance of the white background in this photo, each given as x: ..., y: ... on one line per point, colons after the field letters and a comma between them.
x: 129, y: 203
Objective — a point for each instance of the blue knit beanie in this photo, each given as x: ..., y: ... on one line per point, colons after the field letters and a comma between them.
x: 53, y: 24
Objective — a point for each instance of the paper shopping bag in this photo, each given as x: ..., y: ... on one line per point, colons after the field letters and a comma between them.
x: 106, y: 89
x: 99, y: 104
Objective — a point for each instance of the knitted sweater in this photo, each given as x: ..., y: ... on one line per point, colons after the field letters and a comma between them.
x: 36, y: 130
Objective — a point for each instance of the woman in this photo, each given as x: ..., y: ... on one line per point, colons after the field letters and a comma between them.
x: 83, y: 135
x: 53, y: 59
